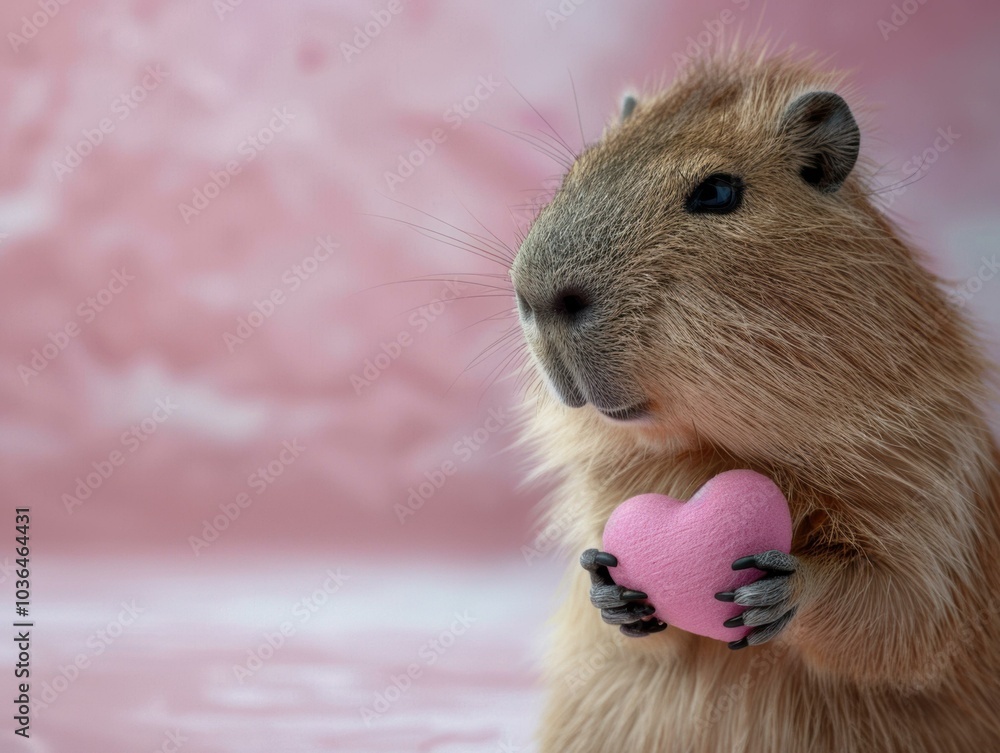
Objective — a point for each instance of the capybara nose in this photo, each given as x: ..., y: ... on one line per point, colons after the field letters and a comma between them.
x: 570, y: 305
x: 567, y: 307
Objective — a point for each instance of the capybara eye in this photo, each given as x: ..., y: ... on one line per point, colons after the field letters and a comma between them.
x: 717, y: 194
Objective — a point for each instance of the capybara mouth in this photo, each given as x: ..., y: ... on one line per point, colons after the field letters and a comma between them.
x: 629, y: 413
x: 574, y: 391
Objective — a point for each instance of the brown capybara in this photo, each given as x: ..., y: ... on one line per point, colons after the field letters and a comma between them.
x: 712, y: 287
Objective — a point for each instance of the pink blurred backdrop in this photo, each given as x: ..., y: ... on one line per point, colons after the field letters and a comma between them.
x: 291, y: 138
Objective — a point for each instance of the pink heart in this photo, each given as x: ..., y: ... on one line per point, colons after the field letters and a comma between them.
x: 681, y: 553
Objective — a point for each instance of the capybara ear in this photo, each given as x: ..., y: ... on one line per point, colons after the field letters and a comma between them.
x: 825, y: 138
x: 629, y: 102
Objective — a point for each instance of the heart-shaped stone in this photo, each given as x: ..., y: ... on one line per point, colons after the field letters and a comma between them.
x: 681, y: 553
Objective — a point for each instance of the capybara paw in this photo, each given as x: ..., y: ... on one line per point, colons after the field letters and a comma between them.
x: 769, y: 600
x: 619, y: 605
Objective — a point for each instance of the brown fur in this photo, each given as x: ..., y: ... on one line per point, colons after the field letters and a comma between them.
x: 803, y: 339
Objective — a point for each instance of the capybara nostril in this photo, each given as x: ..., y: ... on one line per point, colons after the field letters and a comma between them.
x: 570, y: 304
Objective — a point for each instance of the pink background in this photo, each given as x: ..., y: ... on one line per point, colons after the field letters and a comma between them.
x: 63, y: 235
